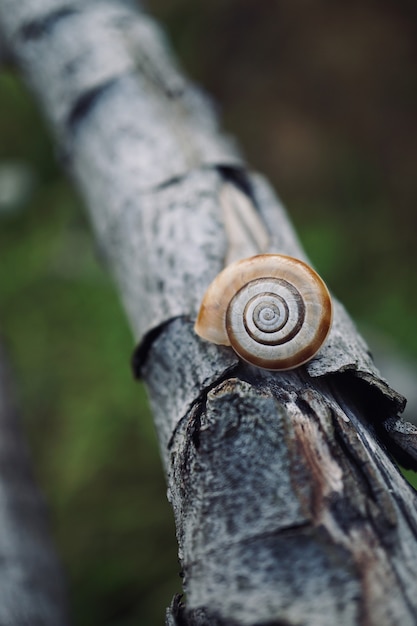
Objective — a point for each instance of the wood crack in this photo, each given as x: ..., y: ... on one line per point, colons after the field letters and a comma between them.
x: 37, y: 28
x: 86, y: 102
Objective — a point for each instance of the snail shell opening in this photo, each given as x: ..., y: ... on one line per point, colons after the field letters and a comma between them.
x: 274, y: 310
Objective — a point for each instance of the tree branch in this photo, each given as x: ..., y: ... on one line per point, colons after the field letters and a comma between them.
x: 288, y: 509
x: 32, y: 588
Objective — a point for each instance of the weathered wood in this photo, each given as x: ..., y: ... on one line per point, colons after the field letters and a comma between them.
x: 288, y: 509
x: 32, y: 589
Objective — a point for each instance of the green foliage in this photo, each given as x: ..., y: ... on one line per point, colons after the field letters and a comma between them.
x: 87, y: 420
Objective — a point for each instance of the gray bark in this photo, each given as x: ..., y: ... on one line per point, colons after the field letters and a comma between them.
x: 32, y: 589
x: 288, y: 508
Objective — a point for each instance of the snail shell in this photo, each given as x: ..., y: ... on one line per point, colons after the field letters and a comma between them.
x: 274, y: 310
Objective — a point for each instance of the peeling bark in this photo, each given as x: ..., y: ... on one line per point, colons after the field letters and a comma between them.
x: 288, y: 508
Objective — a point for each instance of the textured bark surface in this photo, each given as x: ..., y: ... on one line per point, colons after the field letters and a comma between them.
x: 32, y: 588
x: 288, y: 509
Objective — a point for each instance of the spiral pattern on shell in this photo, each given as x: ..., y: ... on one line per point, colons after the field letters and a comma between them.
x: 274, y: 310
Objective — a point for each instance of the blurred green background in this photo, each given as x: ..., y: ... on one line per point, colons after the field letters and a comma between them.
x: 322, y: 97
